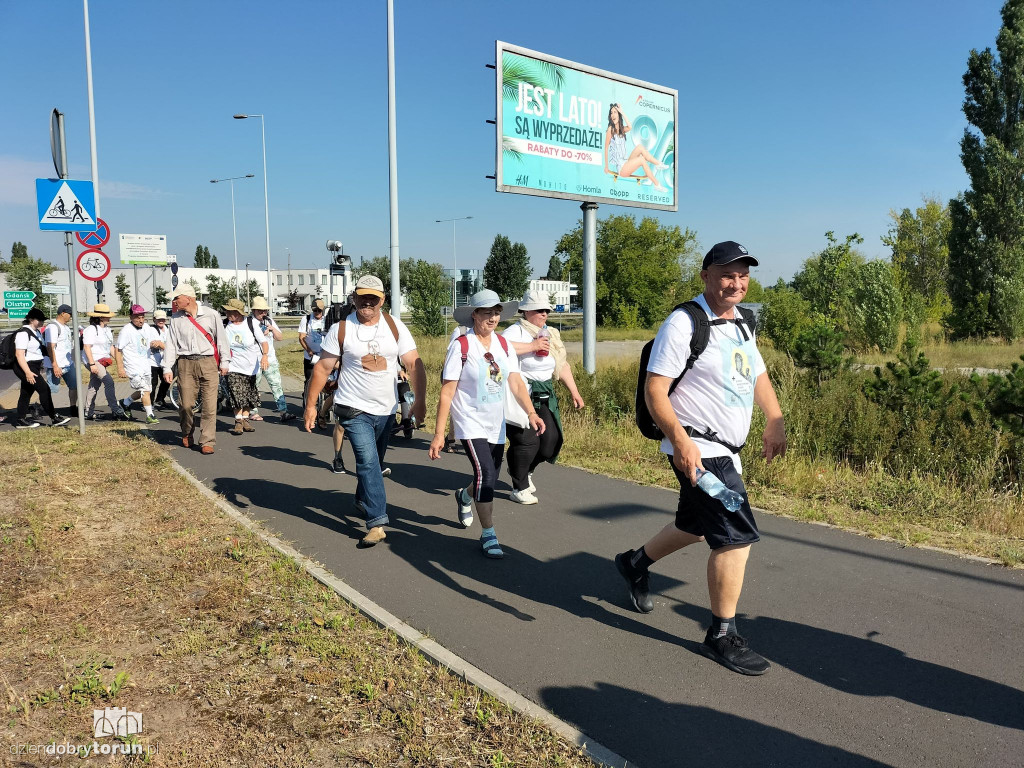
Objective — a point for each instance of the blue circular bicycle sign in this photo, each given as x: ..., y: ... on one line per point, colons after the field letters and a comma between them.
x: 96, y: 239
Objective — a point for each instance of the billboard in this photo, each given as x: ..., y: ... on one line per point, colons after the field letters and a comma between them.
x: 574, y: 132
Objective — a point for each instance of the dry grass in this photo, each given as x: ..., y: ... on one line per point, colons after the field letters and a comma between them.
x: 123, y: 586
x: 920, y: 511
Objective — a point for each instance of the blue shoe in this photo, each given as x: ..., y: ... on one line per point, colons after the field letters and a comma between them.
x: 464, y: 503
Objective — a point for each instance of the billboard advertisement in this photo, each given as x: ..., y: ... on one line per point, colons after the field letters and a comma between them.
x: 574, y: 132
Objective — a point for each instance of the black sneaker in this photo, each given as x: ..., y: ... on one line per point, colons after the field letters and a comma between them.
x: 733, y: 652
x: 25, y: 424
x: 59, y: 421
x: 338, y: 467
x: 638, y: 581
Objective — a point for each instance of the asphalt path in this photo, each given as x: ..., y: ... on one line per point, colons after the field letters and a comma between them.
x: 881, y: 655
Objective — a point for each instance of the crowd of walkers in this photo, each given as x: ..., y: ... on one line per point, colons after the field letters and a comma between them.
x: 496, y: 387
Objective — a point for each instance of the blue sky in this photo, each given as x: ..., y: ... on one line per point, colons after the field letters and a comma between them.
x: 794, y: 118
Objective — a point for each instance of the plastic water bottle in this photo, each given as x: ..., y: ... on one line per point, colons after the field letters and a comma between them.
x: 543, y: 334
x: 716, y: 489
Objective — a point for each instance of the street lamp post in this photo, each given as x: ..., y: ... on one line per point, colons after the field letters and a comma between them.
x: 455, y: 265
x: 266, y: 203
x: 234, y: 234
x: 248, y: 290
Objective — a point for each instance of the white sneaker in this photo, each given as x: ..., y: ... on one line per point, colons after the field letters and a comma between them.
x: 531, y: 487
x: 386, y: 472
x: 523, y: 497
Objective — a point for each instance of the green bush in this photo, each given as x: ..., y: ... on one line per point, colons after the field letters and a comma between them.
x: 784, y: 315
x: 876, y: 308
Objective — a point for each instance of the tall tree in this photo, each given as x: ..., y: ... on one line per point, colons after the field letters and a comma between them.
x: 211, y: 259
x: 986, y: 242
x: 19, y: 251
x: 124, y: 294
x: 428, y: 290
x: 200, y: 258
x: 554, y: 268
x: 639, y: 267
x: 507, y: 271
x: 920, y: 255
x: 825, y: 278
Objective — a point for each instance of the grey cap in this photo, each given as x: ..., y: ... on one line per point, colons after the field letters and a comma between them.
x: 63, y: 308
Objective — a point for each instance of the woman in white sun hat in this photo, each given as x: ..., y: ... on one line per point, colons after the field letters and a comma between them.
x: 478, y: 368
x: 97, y: 340
x: 542, y: 360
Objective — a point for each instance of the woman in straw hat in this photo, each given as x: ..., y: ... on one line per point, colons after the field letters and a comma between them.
x: 96, y: 343
x: 478, y: 368
x: 542, y: 359
x: 272, y: 375
x: 249, y: 356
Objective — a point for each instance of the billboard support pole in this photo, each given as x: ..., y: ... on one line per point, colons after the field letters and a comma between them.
x: 589, y: 287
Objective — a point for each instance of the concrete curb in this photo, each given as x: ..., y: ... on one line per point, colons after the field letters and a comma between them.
x: 441, y: 656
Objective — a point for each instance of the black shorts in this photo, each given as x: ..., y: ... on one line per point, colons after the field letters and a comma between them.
x: 702, y: 515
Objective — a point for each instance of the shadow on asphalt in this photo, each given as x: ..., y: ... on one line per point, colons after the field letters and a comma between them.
x: 679, y: 734
x: 862, y: 666
x: 898, y: 561
x: 581, y: 584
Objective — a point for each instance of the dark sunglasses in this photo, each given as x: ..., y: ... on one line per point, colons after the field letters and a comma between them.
x: 371, y: 300
x: 495, y: 368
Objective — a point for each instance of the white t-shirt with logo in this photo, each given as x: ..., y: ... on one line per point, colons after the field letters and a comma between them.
x: 314, y: 330
x: 30, y: 343
x: 245, y: 346
x: 478, y: 408
x: 373, y: 392
x: 134, y: 345
x: 266, y: 326
x: 60, y: 336
x: 534, y: 368
x: 156, y: 356
x: 100, y: 339
x: 718, y: 392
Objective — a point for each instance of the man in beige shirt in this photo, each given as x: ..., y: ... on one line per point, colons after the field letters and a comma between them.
x: 198, y: 344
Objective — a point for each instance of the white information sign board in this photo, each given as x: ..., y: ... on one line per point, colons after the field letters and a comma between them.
x: 150, y: 250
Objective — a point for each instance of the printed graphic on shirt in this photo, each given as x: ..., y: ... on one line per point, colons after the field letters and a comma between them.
x: 491, y: 387
x: 739, y: 376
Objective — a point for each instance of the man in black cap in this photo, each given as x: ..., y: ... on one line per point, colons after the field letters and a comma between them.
x: 705, y: 417
x: 59, y: 355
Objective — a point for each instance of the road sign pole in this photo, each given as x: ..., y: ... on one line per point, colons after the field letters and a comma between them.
x: 75, y: 361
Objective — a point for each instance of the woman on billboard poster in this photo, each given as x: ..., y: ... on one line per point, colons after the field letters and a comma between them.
x: 616, y: 159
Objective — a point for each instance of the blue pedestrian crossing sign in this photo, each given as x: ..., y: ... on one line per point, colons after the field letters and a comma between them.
x: 66, y: 205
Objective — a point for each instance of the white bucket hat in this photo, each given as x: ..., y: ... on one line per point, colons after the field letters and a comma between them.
x: 259, y: 302
x: 533, y: 300
x: 481, y: 299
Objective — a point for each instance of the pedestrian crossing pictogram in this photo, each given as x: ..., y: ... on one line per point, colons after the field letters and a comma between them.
x: 65, y: 205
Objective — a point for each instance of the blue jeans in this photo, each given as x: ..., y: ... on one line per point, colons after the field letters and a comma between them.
x: 369, y: 437
x: 68, y: 378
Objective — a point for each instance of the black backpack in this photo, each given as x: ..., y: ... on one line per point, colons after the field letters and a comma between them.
x: 698, y: 343
x: 8, y: 357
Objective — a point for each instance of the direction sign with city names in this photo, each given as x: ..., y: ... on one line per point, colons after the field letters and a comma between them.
x: 65, y: 205
x: 18, y: 303
x: 150, y: 250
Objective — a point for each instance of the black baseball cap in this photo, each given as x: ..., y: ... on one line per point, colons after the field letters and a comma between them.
x: 727, y: 253
x: 64, y: 308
